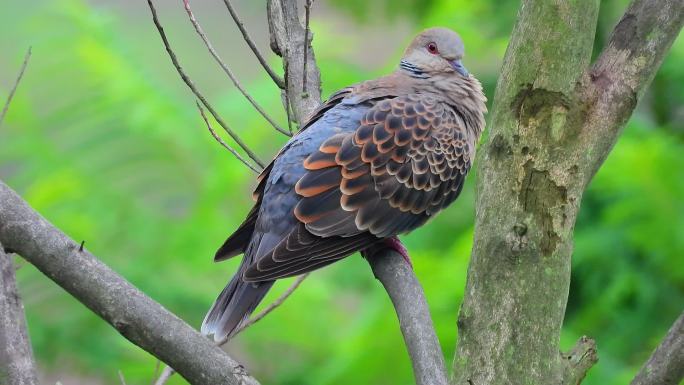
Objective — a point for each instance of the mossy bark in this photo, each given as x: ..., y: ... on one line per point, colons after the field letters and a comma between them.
x: 528, y: 198
x: 547, y: 139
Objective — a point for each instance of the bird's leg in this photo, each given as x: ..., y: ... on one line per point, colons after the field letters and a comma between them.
x: 392, y: 243
x: 395, y: 244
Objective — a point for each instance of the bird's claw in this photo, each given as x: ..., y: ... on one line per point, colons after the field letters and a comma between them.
x: 392, y: 243
x: 395, y: 244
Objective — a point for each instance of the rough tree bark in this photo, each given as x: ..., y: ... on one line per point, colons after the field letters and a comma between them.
x: 16, y: 357
x: 554, y: 121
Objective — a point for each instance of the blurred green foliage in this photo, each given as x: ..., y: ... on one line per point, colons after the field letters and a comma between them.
x: 105, y: 142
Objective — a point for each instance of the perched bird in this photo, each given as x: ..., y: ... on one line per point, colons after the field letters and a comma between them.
x: 377, y: 159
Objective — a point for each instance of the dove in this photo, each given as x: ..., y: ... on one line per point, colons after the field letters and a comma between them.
x: 377, y: 159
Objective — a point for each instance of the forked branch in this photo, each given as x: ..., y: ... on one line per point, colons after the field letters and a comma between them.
x: 613, y: 85
x: 287, y: 35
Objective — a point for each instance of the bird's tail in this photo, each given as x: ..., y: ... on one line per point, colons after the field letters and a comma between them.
x: 234, y: 305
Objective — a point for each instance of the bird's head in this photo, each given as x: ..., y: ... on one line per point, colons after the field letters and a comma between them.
x: 435, y: 51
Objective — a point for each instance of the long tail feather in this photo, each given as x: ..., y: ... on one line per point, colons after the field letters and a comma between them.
x: 233, y: 306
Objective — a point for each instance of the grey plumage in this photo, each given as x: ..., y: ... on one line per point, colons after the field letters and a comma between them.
x: 377, y: 159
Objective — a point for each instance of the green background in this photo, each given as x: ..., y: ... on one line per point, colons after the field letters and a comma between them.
x: 105, y: 141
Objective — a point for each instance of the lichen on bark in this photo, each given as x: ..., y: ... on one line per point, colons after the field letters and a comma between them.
x: 528, y: 196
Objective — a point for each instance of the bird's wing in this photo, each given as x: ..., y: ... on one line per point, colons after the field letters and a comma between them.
x: 406, y: 160
x: 237, y: 242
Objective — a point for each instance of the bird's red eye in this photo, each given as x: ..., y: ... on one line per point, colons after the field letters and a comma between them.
x: 432, y: 48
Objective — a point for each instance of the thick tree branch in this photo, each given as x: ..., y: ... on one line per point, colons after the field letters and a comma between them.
x: 16, y: 357
x: 137, y: 317
x: 407, y: 296
x: 168, y: 371
x: 24, y: 64
x: 625, y: 67
x: 666, y: 364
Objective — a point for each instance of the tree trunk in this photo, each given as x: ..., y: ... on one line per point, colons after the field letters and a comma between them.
x: 528, y: 197
x: 553, y: 123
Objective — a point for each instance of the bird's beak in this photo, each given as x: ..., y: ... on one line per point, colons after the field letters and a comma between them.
x: 458, y: 66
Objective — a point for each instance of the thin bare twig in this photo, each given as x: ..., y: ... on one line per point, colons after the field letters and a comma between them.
x: 168, y: 371
x: 286, y: 104
x: 277, y: 79
x: 121, y: 378
x: 16, y: 84
x: 279, y: 301
x: 195, y: 91
x: 165, y: 375
x: 307, y: 12
x: 224, y: 144
x: 226, y: 69
x: 156, y: 372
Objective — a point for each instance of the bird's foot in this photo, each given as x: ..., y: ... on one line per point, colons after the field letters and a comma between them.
x: 395, y: 244
x: 392, y: 243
